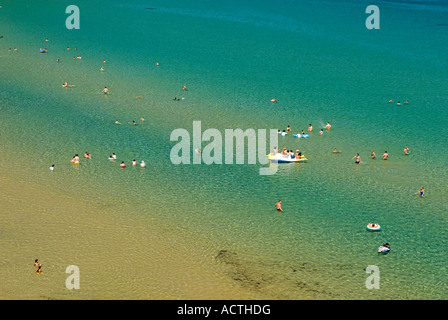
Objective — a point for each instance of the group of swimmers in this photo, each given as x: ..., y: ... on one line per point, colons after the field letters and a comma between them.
x: 385, y: 156
x: 398, y: 103
x: 142, y: 119
x: 113, y: 157
x: 303, y: 133
x: 76, y: 160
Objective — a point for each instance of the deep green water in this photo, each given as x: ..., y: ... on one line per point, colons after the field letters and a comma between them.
x: 316, y: 58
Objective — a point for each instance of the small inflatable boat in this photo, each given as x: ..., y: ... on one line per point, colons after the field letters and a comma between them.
x: 373, y: 227
x: 306, y: 135
x: 278, y: 157
x: 384, y: 249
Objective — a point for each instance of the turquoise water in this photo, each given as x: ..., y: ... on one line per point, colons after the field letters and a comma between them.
x: 321, y: 64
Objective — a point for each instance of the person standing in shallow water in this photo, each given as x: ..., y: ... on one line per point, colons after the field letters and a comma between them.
x: 421, y: 192
x: 278, y: 205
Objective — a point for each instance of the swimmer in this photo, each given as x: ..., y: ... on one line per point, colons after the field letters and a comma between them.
x: 288, y: 128
x: 372, y: 154
x: 133, y: 123
x: 273, y: 100
x: 117, y: 122
x: 406, y: 102
x: 321, y: 131
x: 198, y: 151
x: 358, y: 158
x: 421, y: 192
x: 278, y: 205
x: 385, y: 155
x: 102, y: 69
x: 390, y: 101
x: 52, y: 168
x: 176, y: 99
x: 184, y: 88
x: 406, y: 150
x: 310, y: 128
x: 157, y: 63
x: 105, y: 90
x: 142, y: 164
x: 398, y: 103
x: 113, y: 156
x: 142, y: 119
x: 134, y: 163
x: 328, y: 126
x: 36, y: 263
x: 336, y: 150
x: 87, y: 155
x: 65, y: 84
x: 104, y: 61
x: 39, y: 269
x: 139, y: 96
x: 58, y: 60
x: 122, y: 164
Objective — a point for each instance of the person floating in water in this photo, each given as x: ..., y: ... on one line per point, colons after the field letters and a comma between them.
x: 421, y: 192
x: 278, y: 205
x: 406, y: 150
x: 65, y: 84
x: 358, y: 158
x: 273, y: 100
